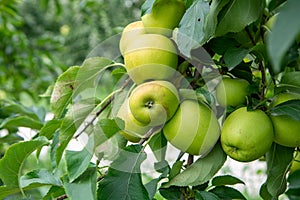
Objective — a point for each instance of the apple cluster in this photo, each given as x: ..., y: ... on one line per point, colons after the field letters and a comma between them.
x: 248, y: 134
x: 157, y: 103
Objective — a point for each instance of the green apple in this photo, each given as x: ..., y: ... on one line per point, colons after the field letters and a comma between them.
x: 286, y: 129
x: 151, y: 57
x: 231, y: 92
x: 193, y: 129
x: 133, y: 130
x: 153, y: 103
x: 164, y: 16
x: 247, y: 135
x: 129, y: 34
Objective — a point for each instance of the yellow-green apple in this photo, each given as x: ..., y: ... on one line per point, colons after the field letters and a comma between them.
x: 133, y: 130
x: 129, y: 34
x: 231, y: 91
x: 164, y: 16
x: 194, y: 128
x: 247, y: 135
x: 150, y: 57
x: 153, y: 103
x: 286, y: 129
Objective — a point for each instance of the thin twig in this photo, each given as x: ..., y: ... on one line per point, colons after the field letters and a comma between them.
x: 107, y: 103
x: 149, y: 134
x: 263, y: 80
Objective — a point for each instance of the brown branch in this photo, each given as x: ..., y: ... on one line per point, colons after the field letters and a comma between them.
x: 190, y: 160
x: 250, y: 36
x: 263, y: 80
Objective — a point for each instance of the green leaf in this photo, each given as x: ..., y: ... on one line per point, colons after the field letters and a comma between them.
x: 11, y: 107
x: 291, y: 78
x: 21, y: 121
x: 88, y: 75
x: 147, y: 7
x: 176, y: 169
x: 278, y: 160
x: 191, y: 31
x: 234, y: 56
x: 67, y: 130
x: 200, y: 171
x: 158, y: 145
x: 237, y: 15
x: 54, y: 192
x: 39, y: 178
x: 84, y: 187
x: 14, y: 158
x: 293, y: 191
x: 203, y: 195
x: 111, y: 126
x: 283, y: 34
x: 106, y: 129
x: 123, y: 179
x: 49, y: 128
x: 11, y: 138
x: 171, y: 193
x: 224, y: 192
x: 289, y: 108
x: 226, y: 180
x: 6, y: 191
x: 62, y: 91
x: 151, y: 187
x: 78, y: 162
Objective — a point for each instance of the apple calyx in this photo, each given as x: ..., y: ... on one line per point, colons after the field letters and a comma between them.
x: 153, y: 103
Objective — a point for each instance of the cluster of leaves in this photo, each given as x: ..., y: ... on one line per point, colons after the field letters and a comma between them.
x: 85, y: 97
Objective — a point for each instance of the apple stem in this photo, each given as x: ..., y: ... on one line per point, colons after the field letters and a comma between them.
x: 190, y: 160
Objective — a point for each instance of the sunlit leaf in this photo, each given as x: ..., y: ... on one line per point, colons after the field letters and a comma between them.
x: 14, y: 158
x: 62, y: 92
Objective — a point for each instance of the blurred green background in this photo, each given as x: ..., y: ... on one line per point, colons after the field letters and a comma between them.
x: 39, y: 39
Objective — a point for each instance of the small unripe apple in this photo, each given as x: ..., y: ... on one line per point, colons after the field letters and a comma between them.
x: 153, y: 103
x: 247, y: 135
x: 129, y: 34
x: 286, y: 129
x: 164, y: 16
x: 193, y: 129
x: 232, y: 92
x: 134, y: 130
x: 150, y: 57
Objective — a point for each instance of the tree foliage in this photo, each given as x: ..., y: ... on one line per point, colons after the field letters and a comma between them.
x: 40, y: 50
